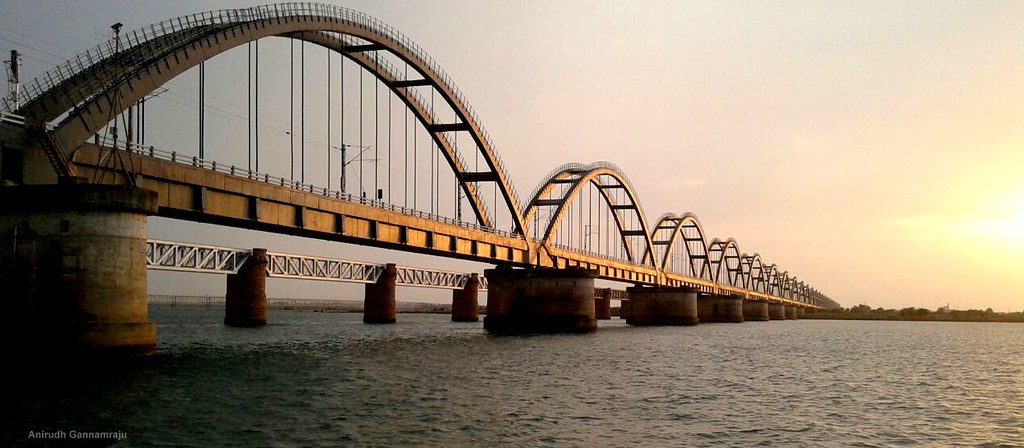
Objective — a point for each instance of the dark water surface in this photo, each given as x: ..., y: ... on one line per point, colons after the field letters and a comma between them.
x: 320, y: 379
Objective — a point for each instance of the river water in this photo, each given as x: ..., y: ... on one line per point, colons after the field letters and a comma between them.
x: 326, y: 379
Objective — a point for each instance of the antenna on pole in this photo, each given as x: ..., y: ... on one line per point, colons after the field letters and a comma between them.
x: 13, y: 99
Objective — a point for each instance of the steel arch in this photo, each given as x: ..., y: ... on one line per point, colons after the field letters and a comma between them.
x: 727, y: 253
x: 87, y: 88
x: 604, y: 176
x: 774, y: 285
x: 752, y: 273
x: 700, y: 264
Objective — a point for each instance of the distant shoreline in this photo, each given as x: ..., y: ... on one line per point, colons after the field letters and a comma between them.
x: 862, y: 312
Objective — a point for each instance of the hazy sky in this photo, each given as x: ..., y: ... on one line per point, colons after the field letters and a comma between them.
x: 874, y: 149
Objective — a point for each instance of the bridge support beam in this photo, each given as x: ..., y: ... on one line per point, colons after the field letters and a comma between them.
x: 73, y: 269
x: 661, y: 306
x: 603, y: 305
x: 245, y: 301
x: 776, y: 311
x: 624, y: 309
x: 379, y: 298
x: 791, y: 312
x: 465, y: 301
x: 755, y: 310
x: 719, y: 308
x: 540, y: 301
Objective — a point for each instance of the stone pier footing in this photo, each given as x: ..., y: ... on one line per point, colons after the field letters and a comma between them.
x: 245, y: 301
x: 540, y: 301
x: 776, y: 311
x: 755, y: 311
x: 379, y: 298
x: 720, y: 308
x: 465, y: 301
x: 624, y: 309
x: 73, y: 269
x: 603, y: 305
x: 791, y: 312
x: 661, y: 306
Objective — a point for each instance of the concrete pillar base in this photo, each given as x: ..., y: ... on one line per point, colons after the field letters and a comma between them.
x: 755, y: 311
x: 791, y: 312
x: 661, y: 306
x: 540, y: 301
x: 73, y: 269
x: 603, y: 305
x: 465, y: 301
x: 715, y: 308
x: 776, y: 311
x: 624, y: 309
x: 379, y: 298
x: 245, y: 303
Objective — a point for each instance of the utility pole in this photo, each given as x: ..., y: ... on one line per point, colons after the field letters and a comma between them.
x: 13, y: 99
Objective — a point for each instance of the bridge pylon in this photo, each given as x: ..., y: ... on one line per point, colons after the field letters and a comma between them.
x: 73, y: 269
x: 776, y: 311
x: 720, y: 308
x: 379, y: 298
x: 540, y: 300
x: 755, y: 310
x: 465, y: 301
x: 245, y: 300
x: 661, y: 305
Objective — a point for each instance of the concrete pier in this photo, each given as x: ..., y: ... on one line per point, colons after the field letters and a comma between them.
x: 603, y: 305
x: 755, y: 311
x: 540, y: 301
x: 661, y: 306
x: 791, y: 312
x: 716, y: 308
x: 465, y: 301
x: 73, y: 269
x: 624, y: 309
x: 379, y: 298
x: 776, y: 311
x: 245, y: 301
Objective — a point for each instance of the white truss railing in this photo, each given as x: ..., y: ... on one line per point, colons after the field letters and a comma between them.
x: 428, y: 278
x: 173, y: 256
x: 317, y: 268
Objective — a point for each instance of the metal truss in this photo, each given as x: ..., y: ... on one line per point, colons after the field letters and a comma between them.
x: 172, y: 256
x: 428, y: 278
x: 317, y: 268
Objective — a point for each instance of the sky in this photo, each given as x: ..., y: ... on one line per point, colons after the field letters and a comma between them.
x: 873, y: 149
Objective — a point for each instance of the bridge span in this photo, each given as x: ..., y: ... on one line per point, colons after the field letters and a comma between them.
x: 80, y: 181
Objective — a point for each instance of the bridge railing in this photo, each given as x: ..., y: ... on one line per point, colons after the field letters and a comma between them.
x: 194, y: 161
x: 599, y: 255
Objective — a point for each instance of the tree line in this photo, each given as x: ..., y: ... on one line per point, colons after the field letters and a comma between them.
x: 944, y: 314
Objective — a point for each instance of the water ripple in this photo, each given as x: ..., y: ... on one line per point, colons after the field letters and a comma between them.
x: 314, y: 379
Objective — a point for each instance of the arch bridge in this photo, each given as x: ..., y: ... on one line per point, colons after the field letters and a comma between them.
x: 82, y: 125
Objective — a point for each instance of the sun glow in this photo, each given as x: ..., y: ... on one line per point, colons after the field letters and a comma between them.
x: 998, y: 221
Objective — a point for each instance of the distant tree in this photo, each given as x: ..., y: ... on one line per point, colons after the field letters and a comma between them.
x: 861, y: 309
